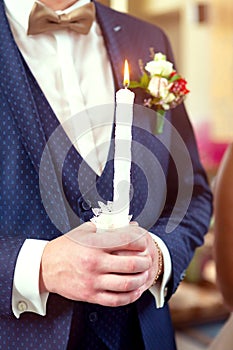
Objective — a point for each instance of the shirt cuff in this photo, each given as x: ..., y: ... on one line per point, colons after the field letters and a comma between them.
x: 159, y: 290
x: 26, y: 296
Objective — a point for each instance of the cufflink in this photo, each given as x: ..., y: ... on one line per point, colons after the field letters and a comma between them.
x: 22, y: 306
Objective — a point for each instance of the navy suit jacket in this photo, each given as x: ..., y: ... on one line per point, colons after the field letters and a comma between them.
x: 26, y: 123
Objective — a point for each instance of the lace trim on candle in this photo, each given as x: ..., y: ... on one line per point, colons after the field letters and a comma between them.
x: 106, y: 217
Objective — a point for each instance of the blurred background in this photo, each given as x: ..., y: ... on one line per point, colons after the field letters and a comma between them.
x: 201, y: 34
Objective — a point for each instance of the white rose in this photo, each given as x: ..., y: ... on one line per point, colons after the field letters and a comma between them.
x: 159, y: 67
x: 159, y: 87
x: 170, y: 98
x: 159, y: 57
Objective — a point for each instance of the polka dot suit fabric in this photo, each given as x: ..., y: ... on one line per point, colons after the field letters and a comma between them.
x: 26, y: 124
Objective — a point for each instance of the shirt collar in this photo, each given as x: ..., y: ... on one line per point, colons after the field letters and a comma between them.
x: 19, y: 10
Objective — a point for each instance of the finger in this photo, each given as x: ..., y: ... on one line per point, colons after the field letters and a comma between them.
x: 126, y: 264
x: 130, y: 252
x: 121, y: 283
x: 125, y: 237
x: 138, y: 244
x: 112, y: 299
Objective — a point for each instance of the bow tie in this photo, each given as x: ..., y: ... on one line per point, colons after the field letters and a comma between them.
x: 42, y: 19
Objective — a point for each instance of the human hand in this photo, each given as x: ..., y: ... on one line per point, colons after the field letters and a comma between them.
x: 104, y: 270
x: 156, y: 269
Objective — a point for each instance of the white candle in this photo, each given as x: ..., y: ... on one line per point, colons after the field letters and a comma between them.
x: 122, y: 157
x: 116, y: 214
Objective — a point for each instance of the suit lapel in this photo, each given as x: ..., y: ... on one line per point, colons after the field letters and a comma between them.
x: 117, y: 40
x: 112, y: 32
x: 122, y: 44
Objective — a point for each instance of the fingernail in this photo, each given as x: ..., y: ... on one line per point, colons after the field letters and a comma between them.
x: 134, y: 223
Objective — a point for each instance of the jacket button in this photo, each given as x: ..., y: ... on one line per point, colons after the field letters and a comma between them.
x: 182, y: 276
x: 86, y: 205
x: 93, y: 317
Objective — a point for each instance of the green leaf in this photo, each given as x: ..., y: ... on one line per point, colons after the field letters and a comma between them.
x: 143, y: 83
x: 174, y: 78
x: 144, y: 80
x: 135, y: 84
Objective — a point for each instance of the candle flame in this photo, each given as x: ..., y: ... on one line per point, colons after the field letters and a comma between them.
x: 126, y: 75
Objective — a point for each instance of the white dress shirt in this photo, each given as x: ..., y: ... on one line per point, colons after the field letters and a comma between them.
x: 70, y: 69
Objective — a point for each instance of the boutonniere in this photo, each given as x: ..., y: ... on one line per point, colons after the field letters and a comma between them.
x: 165, y: 87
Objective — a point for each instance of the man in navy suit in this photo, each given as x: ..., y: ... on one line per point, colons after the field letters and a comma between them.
x: 57, y: 293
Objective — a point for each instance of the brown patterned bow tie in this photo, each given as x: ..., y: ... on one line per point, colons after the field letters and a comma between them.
x: 42, y: 19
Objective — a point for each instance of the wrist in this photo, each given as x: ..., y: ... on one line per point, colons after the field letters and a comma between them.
x: 42, y: 284
x: 42, y: 288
